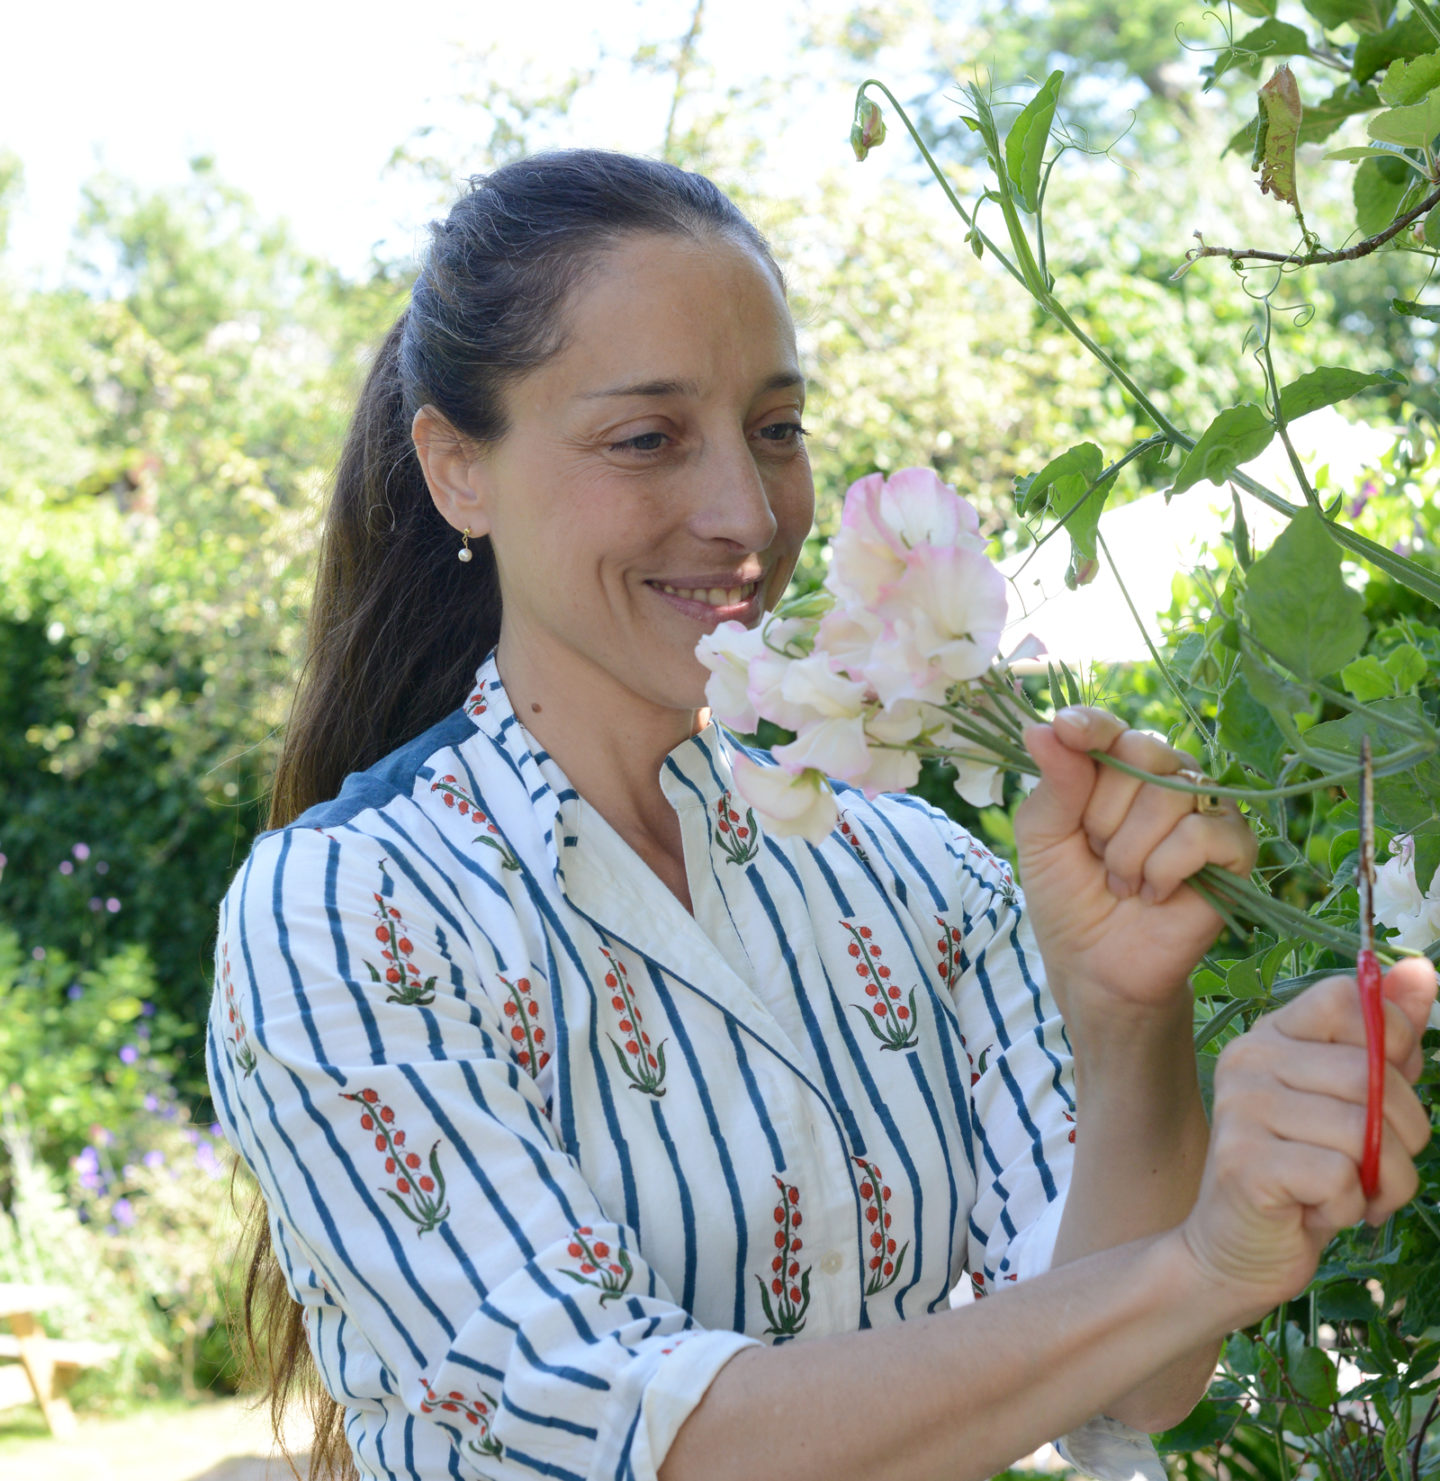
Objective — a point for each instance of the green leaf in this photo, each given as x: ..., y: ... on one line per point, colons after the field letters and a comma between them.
x: 1238, y: 434
x: 1299, y: 605
x: 1326, y: 385
x: 1323, y: 118
x: 1367, y: 678
x: 1365, y: 16
x: 1430, y: 311
x: 1315, y: 1378
x: 1040, y: 492
x: 1408, y: 38
x: 1026, y: 141
x: 1247, y: 730
x: 1427, y: 856
x: 1412, y: 127
x: 1408, y: 82
x: 1282, y: 699
x: 1359, y: 151
x: 1406, y: 665
x: 1404, y: 801
x: 1258, y: 8
x: 1346, y: 1301
x: 1376, y: 196
x: 1205, y: 1424
x: 1341, y: 847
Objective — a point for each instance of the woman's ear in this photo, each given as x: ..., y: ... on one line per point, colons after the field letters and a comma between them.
x: 453, y: 474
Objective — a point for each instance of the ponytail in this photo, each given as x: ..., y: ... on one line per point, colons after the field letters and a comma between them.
x: 398, y: 625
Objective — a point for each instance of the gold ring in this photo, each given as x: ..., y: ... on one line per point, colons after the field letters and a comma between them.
x: 1207, y: 804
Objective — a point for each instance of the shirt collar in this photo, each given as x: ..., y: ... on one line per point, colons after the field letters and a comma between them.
x: 697, y: 773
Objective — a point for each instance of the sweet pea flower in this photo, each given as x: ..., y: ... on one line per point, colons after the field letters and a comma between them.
x: 793, y: 804
x: 1400, y: 903
x: 728, y: 653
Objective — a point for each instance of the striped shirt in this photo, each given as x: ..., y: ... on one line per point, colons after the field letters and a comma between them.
x: 542, y: 1150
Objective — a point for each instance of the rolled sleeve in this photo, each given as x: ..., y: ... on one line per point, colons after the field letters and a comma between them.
x: 468, y: 1299
x: 1021, y: 1096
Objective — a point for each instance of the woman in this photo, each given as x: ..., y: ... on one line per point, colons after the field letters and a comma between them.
x: 575, y: 1100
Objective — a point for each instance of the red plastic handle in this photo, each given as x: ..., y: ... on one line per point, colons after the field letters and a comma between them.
x: 1372, y: 1006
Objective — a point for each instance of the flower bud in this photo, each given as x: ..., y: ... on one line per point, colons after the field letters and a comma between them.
x: 868, y: 130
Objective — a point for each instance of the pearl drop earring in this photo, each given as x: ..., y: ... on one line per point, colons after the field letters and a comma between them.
x: 465, y: 553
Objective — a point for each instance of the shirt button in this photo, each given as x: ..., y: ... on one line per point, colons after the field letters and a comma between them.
x: 832, y: 1263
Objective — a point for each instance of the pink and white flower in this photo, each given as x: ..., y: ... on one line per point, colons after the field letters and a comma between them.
x: 791, y: 803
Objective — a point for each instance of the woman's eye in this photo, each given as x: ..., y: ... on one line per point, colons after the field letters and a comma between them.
x: 782, y: 432
x: 645, y: 442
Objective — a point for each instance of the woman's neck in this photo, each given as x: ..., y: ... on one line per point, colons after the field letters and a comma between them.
x: 609, y: 741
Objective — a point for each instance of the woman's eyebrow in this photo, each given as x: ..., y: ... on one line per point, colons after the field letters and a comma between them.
x: 782, y: 380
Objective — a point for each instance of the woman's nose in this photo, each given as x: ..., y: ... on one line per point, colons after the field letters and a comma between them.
x: 732, y: 500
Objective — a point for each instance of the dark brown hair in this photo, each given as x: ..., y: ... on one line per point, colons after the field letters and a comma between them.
x: 398, y: 625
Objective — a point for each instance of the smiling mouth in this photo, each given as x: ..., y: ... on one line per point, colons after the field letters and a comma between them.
x: 711, y: 596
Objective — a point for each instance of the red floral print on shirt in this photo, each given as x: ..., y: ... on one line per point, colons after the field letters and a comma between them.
x: 398, y: 971
x: 886, y: 1016
x: 418, y: 1194
x: 454, y: 795
x: 853, y: 839
x: 883, y: 1259
x: 739, y: 841
x: 526, y: 1033
x: 642, y: 1062
x: 608, y: 1270
x: 236, y: 1036
x: 477, y: 1413
x: 786, y: 1296
x: 476, y: 704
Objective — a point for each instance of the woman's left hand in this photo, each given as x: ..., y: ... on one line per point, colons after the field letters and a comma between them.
x: 1103, y: 861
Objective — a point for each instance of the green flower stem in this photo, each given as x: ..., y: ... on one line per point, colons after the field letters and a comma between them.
x: 1155, y: 656
x: 1241, y: 897
x: 1399, y: 760
x: 936, y: 171
x: 1298, y: 468
x: 1429, y: 19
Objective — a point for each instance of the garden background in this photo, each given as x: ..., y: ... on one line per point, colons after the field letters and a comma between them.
x: 173, y: 389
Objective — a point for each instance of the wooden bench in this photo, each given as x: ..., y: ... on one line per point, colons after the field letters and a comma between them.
x: 42, y: 1367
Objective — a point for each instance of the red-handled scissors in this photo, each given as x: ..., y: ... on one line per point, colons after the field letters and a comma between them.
x: 1367, y: 975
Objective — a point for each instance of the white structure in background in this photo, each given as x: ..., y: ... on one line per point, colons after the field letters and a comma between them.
x: 1151, y: 541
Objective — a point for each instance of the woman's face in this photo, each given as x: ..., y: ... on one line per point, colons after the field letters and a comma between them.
x: 653, y: 482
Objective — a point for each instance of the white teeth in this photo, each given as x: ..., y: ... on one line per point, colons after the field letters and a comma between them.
x: 712, y: 596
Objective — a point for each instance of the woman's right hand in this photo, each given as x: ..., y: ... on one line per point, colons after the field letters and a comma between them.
x: 1282, y: 1173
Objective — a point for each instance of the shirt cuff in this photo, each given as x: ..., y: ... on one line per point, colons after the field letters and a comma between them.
x: 675, y: 1389
x: 1033, y: 1249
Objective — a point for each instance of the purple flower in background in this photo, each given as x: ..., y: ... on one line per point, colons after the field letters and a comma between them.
x: 214, y: 1128
x: 206, y: 1160
x: 100, y: 1135
x: 147, y: 1010
x: 102, y: 867
x: 154, y: 1158
x: 112, y: 905
x: 150, y: 1103
x: 74, y: 991
x: 38, y: 953
x: 66, y: 867
x: 96, y: 903
x: 3, y: 861
x: 128, y: 1054
x: 87, y: 1164
x: 1368, y: 490
x: 142, y: 1032
x: 124, y: 1214
x: 81, y: 851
